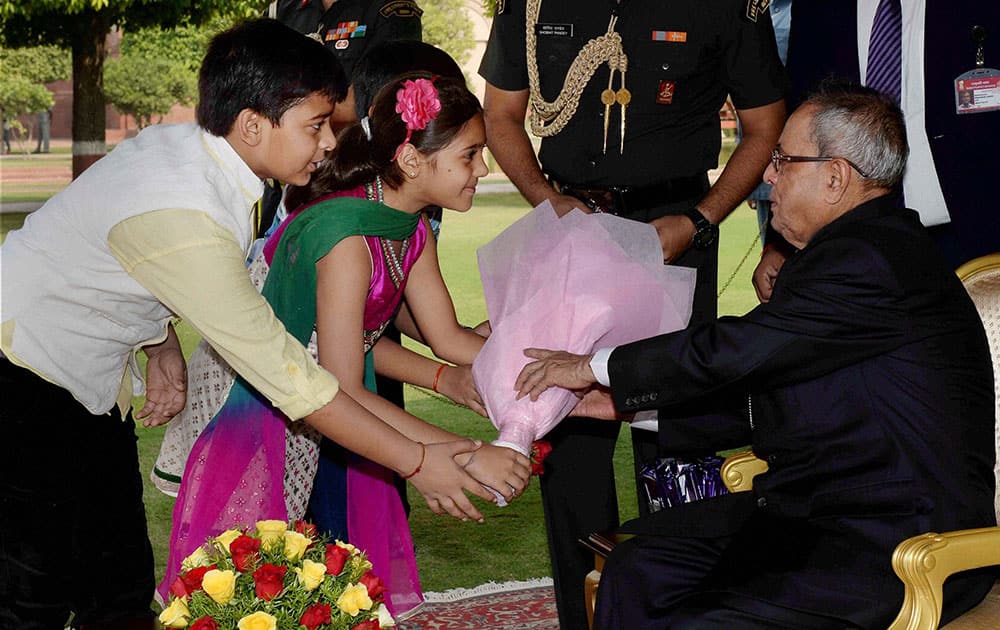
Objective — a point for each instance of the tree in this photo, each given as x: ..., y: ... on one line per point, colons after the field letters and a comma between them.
x: 447, y: 26
x: 20, y: 96
x: 38, y: 64
x: 185, y: 45
x: 83, y: 26
x: 144, y: 88
x: 157, y: 69
x: 22, y: 89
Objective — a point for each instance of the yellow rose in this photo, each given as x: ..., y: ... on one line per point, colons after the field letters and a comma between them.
x: 219, y: 585
x: 347, y: 546
x: 227, y: 537
x: 197, y: 559
x: 385, y: 619
x: 311, y: 574
x: 271, y: 533
x: 295, y: 545
x: 354, y: 599
x: 257, y: 621
x: 176, y: 614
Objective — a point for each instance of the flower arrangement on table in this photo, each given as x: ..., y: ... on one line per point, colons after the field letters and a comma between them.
x: 276, y: 576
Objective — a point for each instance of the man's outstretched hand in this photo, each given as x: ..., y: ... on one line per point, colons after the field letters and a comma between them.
x: 554, y: 368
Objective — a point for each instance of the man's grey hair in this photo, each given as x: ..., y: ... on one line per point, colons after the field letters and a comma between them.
x: 863, y: 126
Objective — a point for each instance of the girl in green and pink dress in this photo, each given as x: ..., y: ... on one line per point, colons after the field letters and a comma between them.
x: 340, y: 267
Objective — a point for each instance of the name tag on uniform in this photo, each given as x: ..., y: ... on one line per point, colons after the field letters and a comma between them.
x: 553, y: 30
x: 670, y: 36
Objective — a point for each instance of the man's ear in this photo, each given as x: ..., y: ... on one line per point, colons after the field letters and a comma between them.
x: 249, y: 127
x: 409, y: 160
x: 838, y: 179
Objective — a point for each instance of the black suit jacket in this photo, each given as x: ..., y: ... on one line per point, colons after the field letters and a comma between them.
x: 823, y: 42
x: 869, y: 384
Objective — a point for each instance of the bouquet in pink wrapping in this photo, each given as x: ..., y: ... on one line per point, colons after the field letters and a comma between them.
x: 577, y: 283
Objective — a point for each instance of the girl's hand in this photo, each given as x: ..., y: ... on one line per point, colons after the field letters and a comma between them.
x: 483, y: 329
x: 441, y: 480
x: 456, y: 383
x: 501, y: 468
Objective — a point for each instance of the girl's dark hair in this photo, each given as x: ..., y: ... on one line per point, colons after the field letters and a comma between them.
x: 357, y: 160
x: 387, y: 60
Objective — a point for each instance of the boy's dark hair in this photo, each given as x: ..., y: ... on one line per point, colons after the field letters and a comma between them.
x: 264, y: 66
x: 391, y: 59
x: 358, y: 159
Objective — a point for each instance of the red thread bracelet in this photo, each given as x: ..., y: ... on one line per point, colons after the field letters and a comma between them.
x: 423, y: 453
x: 437, y: 376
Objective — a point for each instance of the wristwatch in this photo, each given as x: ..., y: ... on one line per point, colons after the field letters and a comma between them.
x: 705, y: 231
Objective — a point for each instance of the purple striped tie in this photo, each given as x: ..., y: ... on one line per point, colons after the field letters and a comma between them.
x: 885, y: 50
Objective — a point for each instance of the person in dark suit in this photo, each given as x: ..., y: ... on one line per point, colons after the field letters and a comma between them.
x: 866, y: 384
x: 954, y: 169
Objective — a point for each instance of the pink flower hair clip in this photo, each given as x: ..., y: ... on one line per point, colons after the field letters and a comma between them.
x: 417, y: 103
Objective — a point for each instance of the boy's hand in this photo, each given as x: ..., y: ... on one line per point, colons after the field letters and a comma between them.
x: 501, y: 468
x: 166, y: 387
x: 441, y: 480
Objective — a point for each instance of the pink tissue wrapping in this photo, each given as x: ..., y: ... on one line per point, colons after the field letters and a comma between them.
x: 578, y: 283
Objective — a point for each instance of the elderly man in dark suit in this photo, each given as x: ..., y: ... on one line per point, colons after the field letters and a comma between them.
x: 865, y: 382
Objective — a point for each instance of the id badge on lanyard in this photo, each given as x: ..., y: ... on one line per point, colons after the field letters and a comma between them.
x: 978, y: 90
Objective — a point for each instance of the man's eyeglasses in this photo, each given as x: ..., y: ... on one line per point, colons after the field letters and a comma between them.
x: 777, y: 158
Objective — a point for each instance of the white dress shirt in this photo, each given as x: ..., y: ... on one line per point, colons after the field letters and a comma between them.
x: 921, y: 187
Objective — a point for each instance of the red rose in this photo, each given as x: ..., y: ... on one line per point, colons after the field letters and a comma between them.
x: 189, y: 582
x: 204, y: 623
x: 178, y: 588
x: 317, y: 615
x: 540, y: 449
x: 336, y: 556
x: 244, y: 551
x: 306, y: 529
x: 374, y: 585
x: 371, y: 624
x: 268, y: 581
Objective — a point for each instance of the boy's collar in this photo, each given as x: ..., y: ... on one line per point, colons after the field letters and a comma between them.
x: 230, y: 160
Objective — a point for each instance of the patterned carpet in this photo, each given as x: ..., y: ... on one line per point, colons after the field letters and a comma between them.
x: 527, y: 605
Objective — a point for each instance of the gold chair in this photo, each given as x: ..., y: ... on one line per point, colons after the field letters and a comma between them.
x: 922, y: 562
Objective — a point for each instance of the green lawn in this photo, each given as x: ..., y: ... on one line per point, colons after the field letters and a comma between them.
x: 50, y: 176
x: 511, y: 543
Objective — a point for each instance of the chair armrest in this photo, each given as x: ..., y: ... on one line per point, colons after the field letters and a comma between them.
x: 924, y: 562
x: 739, y: 470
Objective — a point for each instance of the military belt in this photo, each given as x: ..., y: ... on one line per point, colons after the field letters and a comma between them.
x: 626, y: 200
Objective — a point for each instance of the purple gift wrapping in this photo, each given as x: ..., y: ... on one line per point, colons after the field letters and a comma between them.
x: 670, y: 481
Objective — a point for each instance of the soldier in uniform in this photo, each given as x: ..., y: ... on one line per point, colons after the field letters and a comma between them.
x: 625, y: 95
x: 350, y: 27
